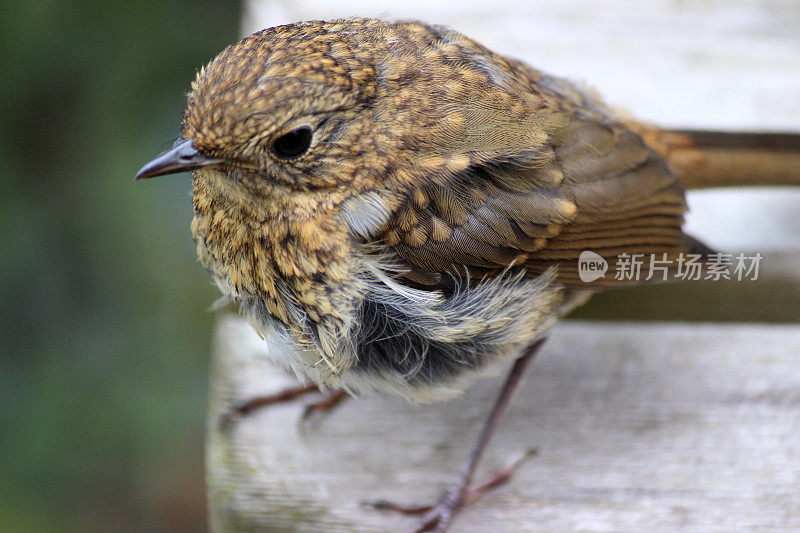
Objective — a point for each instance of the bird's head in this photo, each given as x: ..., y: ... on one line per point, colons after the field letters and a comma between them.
x: 277, y: 108
x: 348, y: 103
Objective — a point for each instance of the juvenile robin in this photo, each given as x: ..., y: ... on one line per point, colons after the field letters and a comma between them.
x: 407, y: 208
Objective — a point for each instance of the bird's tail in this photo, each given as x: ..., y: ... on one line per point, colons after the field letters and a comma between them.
x: 705, y: 159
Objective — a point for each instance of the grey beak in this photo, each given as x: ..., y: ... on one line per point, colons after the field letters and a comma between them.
x: 180, y: 158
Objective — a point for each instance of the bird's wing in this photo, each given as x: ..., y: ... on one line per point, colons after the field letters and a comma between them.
x: 601, y: 189
x: 539, y: 191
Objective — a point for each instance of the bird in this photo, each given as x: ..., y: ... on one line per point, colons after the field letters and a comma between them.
x: 408, y: 209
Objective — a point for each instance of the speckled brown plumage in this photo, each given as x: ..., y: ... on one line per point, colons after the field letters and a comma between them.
x: 438, y: 174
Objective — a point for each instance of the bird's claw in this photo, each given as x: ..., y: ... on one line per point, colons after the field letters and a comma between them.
x: 311, y: 410
x: 438, y: 517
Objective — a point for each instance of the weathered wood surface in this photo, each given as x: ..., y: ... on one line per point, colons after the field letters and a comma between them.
x: 665, y: 427
x: 653, y: 428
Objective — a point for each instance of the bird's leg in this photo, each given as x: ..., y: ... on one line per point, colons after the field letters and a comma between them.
x: 439, y: 516
x: 285, y: 395
x: 472, y: 494
x: 326, y: 404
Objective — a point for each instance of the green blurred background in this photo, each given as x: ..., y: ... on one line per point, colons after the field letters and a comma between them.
x: 104, y: 329
x: 104, y: 322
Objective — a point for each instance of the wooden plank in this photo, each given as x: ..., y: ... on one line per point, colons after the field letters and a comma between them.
x: 653, y: 428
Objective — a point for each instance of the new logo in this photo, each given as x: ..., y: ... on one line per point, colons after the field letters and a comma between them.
x: 591, y: 266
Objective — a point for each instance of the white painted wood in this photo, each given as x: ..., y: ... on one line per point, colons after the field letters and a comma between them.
x: 658, y: 428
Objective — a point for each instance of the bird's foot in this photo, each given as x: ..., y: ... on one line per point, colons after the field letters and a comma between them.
x: 325, y: 405
x: 437, y: 518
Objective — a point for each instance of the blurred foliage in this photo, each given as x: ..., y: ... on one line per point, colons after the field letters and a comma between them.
x: 104, y: 329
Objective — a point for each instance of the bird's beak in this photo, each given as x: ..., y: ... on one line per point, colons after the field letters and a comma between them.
x: 180, y: 158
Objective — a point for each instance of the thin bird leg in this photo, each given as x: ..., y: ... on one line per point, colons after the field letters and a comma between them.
x: 285, y: 395
x: 472, y: 494
x: 500, y: 476
x: 439, y: 516
x: 325, y: 405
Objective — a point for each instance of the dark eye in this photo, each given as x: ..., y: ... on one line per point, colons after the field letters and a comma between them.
x: 293, y: 144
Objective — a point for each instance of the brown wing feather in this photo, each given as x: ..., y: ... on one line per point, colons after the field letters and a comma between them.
x: 550, y: 174
x: 616, y: 196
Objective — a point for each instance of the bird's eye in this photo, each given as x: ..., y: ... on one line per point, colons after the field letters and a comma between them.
x: 293, y: 144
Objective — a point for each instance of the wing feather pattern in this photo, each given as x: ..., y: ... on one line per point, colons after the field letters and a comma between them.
x: 593, y: 185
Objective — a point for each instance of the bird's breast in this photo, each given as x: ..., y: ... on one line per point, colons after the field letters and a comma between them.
x: 300, y: 266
